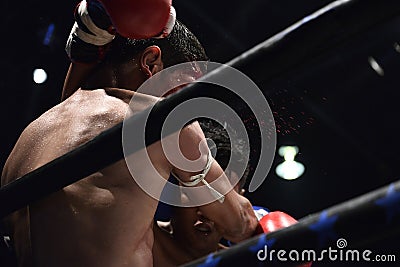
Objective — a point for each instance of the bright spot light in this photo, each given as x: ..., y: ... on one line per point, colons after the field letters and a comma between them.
x: 375, y: 66
x: 288, y: 152
x: 289, y: 169
x: 39, y: 76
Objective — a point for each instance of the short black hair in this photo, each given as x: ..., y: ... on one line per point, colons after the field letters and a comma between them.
x: 180, y: 46
x: 227, y: 147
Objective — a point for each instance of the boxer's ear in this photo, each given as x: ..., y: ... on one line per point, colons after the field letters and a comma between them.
x: 150, y: 61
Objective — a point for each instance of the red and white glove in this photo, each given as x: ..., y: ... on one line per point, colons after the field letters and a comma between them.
x: 276, y: 220
x: 96, y: 25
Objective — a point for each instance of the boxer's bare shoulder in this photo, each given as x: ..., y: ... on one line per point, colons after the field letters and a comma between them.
x: 107, y: 202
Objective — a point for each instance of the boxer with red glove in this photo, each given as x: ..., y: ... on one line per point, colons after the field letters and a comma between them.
x: 96, y: 25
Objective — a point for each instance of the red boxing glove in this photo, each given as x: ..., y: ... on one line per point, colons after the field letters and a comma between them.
x: 274, y: 221
x: 94, y: 29
x: 139, y: 19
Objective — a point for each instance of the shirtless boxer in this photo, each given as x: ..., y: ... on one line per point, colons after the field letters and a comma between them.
x: 106, y: 219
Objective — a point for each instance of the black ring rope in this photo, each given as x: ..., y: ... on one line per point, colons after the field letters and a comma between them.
x: 356, y: 223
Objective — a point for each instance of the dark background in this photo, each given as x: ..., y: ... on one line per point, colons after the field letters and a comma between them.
x: 341, y: 114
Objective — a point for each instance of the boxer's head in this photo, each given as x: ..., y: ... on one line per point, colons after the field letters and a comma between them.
x: 180, y: 46
x: 128, y: 62
x: 229, y: 151
x: 195, y: 233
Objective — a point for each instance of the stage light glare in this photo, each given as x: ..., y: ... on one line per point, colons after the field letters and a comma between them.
x: 289, y: 169
x: 39, y: 76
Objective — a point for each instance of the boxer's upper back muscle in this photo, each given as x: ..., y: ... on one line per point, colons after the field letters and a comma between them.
x: 102, y: 220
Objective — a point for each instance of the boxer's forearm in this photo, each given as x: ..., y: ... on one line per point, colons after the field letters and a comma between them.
x: 241, y: 224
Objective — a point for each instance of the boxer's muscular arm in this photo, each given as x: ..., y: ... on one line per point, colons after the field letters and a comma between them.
x: 87, y: 43
x: 234, y: 217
